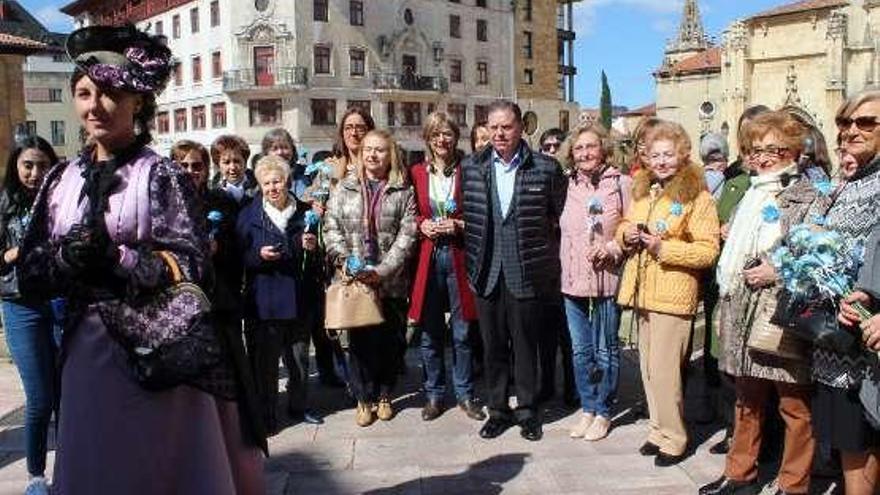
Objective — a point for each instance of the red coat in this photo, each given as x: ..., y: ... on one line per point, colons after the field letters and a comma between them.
x: 420, y: 179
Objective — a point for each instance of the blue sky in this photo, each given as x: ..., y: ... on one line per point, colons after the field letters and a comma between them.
x: 623, y: 37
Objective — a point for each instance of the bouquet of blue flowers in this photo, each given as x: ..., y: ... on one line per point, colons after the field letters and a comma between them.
x: 817, y: 268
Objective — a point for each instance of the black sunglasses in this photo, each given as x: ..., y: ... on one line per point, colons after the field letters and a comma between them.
x: 866, y: 123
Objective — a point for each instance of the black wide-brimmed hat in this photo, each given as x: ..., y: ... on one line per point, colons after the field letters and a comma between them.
x: 122, y: 57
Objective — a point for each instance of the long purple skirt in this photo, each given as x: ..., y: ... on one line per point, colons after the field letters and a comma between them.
x: 116, y: 437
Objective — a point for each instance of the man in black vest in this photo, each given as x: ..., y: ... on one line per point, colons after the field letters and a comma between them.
x: 512, y: 200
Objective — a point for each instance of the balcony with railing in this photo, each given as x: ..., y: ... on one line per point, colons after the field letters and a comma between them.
x: 409, y: 81
x: 282, y: 78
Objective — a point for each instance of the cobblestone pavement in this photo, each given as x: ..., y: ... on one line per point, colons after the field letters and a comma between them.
x: 446, y: 456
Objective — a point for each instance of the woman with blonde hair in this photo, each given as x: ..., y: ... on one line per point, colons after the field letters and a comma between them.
x: 670, y: 236
x: 370, y: 233
x: 598, y: 195
x: 441, y: 275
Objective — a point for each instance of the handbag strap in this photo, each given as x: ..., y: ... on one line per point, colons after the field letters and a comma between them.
x: 173, y: 266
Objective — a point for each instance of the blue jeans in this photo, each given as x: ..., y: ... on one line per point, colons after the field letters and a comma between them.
x: 442, y: 294
x: 592, y: 323
x: 31, y: 331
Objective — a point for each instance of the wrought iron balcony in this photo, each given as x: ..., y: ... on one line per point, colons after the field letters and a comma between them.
x: 281, y: 78
x: 409, y: 82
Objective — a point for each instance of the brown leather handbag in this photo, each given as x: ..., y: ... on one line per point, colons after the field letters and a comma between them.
x: 351, y: 304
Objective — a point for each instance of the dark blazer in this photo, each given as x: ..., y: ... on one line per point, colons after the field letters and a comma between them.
x: 539, y: 197
x: 227, y: 267
x: 271, y: 287
x: 12, y: 228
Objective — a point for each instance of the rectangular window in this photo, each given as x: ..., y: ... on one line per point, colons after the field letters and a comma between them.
x: 216, y: 65
x: 358, y: 62
x: 180, y: 120
x: 356, y: 12
x: 265, y: 112
x: 482, y: 73
x: 528, y: 76
x: 218, y: 114
x: 160, y: 28
x: 527, y: 10
x: 481, y: 3
x: 55, y: 95
x: 323, y: 112
x: 197, y: 69
x: 322, y: 59
x: 458, y: 113
x: 411, y: 113
x: 178, y: 74
x: 362, y: 104
x: 37, y: 95
x: 481, y: 114
x: 391, y: 114
x: 175, y: 27
x: 455, y: 71
x: 215, y: 13
x: 454, y: 26
x: 527, y: 44
x: 31, y: 127
x: 431, y: 107
x: 198, y: 117
x: 57, y: 127
x: 194, y: 20
x: 482, y: 30
x: 163, y: 126
x: 564, y: 120
x: 320, y: 8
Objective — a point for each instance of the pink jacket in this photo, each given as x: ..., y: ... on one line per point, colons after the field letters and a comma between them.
x: 609, y: 199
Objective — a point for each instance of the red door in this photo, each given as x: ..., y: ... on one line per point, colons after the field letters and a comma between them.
x: 264, y: 65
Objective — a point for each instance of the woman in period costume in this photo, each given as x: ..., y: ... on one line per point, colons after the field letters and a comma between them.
x: 117, y: 225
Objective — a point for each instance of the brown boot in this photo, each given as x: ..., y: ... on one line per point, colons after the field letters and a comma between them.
x: 385, y: 412
x: 364, y: 415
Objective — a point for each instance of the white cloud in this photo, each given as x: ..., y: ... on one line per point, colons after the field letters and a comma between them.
x: 54, y: 19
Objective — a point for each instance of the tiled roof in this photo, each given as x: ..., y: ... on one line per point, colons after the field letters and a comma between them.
x: 645, y: 110
x: 17, y: 44
x: 705, y: 61
x: 801, y: 6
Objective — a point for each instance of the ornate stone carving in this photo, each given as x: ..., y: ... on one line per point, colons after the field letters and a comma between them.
x: 736, y: 37
x: 792, y: 98
x: 837, y: 24
x: 691, y: 36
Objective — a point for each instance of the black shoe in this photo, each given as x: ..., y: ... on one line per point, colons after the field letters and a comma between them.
x: 726, y: 486
x: 649, y: 449
x: 666, y: 460
x: 432, y: 410
x: 472, y: 410
x: 531, y: 430
x: 721, y: 448
x: 494, y: 428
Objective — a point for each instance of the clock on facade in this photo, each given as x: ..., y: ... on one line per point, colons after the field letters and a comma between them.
x: 261, y: 5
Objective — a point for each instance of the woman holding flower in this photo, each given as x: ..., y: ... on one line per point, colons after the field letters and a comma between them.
x: 779, y: 197
x: 670, y: 236
x: 598, y: 196
x: 441, y: 279
x: 838, y: 417
x: 370, y: 233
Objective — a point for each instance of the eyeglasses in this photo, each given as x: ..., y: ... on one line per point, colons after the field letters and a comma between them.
x: 771, y: 150
x: 586, y: 147
x: 661, y: 157
x: 360, y: 129
x: 866, y: 123
x: 550, y: 146
x: 443, y: 135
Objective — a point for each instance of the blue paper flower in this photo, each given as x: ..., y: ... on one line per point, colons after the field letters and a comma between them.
x: 215, y: 216
x: 676, y: 209
x: 312, y: 218
x: 824, y: 187
x: 354, y: 264
x: 770, y: 213
x: 594, y: 207
x: 450, y: 206
x: 303, y: 152
x: 817, y: 219
x: 316, y: 167
x: 661, y: 227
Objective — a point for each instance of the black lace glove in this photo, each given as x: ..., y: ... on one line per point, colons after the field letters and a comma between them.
x: 85, y: 248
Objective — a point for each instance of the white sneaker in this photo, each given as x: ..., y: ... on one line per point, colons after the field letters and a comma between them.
x: 37, y: 486
x: 598, y: 430
x: 583, y: 425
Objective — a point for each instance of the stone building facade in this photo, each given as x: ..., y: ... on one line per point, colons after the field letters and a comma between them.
x: 247, y: 67
x: 806, y: 55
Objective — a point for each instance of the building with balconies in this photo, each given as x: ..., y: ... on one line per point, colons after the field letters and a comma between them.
x: 246, y: 67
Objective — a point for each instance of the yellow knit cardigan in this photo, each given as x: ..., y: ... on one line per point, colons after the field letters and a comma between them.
x: 685, y: 214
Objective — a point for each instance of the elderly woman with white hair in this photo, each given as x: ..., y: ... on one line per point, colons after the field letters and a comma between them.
x: 272, y: 236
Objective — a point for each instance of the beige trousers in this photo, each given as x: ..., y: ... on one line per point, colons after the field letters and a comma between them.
x: 663, y: 343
